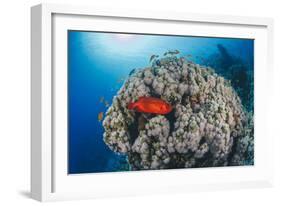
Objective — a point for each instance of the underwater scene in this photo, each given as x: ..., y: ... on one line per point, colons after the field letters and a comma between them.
x: 149, y: 101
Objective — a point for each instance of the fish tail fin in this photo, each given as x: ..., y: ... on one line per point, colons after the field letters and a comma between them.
x: 131, y: 105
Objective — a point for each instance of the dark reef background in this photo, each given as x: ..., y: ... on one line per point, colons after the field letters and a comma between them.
x: 238, y: 71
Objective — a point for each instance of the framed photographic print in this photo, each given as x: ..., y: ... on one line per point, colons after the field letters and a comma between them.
x: 133, y: 102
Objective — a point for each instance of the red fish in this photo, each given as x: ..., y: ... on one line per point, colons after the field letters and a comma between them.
x: 150, y: 105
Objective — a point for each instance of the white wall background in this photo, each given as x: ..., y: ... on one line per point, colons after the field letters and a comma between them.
x: 15, y: 101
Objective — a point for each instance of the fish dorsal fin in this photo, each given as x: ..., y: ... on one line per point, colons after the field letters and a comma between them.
x: 141, y: 98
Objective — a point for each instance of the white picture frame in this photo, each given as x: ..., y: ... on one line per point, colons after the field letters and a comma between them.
x: 49, y: 178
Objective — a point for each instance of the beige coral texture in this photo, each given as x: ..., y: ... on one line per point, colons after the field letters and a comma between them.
x: 207, y: 127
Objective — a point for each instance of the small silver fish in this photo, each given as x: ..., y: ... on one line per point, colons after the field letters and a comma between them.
x: 176, y: 51
x: 132, y: 72
x: 153, y: 57
x: 170, y: 52
x: 101, y: 99
x: 106, y: 103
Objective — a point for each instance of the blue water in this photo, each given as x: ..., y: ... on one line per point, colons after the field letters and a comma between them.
x: 97, y: 64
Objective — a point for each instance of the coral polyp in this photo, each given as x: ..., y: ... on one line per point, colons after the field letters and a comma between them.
x: 207, y: 127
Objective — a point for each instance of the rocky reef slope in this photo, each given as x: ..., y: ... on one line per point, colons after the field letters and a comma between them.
x: 207, y: 126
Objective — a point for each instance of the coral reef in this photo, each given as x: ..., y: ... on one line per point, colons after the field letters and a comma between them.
x: 207, y: 126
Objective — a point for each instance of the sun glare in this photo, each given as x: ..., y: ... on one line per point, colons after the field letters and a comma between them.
x: 124, y: 37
